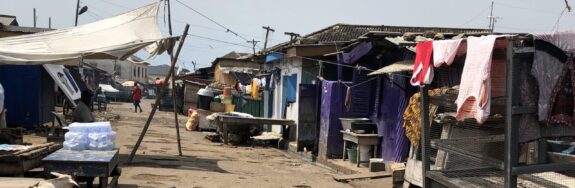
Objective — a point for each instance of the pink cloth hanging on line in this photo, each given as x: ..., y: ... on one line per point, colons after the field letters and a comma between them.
x: 422, y: 69
x: 474, y: 99
x: 444, y: 51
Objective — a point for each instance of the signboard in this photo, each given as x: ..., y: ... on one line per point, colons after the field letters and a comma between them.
x: 65, y: 81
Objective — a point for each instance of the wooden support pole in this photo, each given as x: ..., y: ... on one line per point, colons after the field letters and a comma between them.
x: 160, y: 94
x: 174, y: 83
x: 175, y: 106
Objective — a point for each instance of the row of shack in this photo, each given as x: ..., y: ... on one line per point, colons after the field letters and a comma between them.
x: 518, y: 135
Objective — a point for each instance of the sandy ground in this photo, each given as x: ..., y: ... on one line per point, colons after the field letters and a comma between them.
x: 205, y: 164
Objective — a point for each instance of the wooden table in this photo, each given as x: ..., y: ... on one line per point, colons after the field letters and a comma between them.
x: 360, y: 139
x: 225, y: 121
x: 85, y: 163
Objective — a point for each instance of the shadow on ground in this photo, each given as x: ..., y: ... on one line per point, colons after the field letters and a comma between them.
x: 172, y: 162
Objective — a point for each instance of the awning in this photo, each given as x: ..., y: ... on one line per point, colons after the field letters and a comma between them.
x: 405, y: 65
x: 113, y: 38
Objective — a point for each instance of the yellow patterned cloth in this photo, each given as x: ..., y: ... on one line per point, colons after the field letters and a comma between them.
x: 412, y: 115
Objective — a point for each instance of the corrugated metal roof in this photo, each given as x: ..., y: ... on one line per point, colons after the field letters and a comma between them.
x: 8, y: 20
x: 343, y: 33
x: 18, y: 29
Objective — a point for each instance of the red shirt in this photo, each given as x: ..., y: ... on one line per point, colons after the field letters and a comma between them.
x: 136, y: 93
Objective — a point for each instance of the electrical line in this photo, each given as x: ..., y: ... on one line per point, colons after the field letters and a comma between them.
x: 207, y: 38
x: 117, y: 5
x: 475, y: 17
x: 556, y: 26
x: 212, y: 20
x: 528, y: 9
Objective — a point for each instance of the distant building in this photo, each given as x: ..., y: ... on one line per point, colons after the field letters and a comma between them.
x: 161, y: 71
x: 9, y: 27
x: 234, y: 66
x: 133, y: 70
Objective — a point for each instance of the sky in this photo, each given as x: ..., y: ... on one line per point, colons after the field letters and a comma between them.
x: 246, y: 18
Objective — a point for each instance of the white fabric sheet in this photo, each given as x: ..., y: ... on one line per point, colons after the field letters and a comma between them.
x: 113, y: 38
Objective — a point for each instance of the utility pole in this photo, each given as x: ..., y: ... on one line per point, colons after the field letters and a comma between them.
x: 77, y: 9
x: 253, y: 42
x: 292, y: 36
x: 50, y: 22
x: 35, y: 17
x: 268, y: 29
x: 194, y: 64
x: 492, y: 19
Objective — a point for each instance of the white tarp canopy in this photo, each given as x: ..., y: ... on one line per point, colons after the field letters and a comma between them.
x: 113, y: 38
x: 108, y: 88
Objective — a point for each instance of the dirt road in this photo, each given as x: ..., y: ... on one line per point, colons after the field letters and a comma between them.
x: 203, y: 164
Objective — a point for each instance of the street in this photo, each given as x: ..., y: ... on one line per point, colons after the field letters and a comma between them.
x: 203, y: 164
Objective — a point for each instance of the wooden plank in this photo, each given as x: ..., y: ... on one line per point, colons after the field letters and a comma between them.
x: 345, y: 178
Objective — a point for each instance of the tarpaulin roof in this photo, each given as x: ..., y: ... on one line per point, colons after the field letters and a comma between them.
x: 112, y: 38
x: 406, y: 65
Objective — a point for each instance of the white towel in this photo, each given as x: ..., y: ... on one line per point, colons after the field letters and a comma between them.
x: 444, y: 51
x: 474, y: 99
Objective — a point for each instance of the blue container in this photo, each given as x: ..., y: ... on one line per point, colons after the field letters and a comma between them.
x: 29, y: 96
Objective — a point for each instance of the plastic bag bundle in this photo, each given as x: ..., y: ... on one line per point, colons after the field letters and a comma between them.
x: 90, y: 136
x: 75, y: 141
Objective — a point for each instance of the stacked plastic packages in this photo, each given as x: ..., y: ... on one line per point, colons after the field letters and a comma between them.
x: 90, y: 136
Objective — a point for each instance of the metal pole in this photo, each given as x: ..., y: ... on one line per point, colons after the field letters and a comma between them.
x: 511, y: 120
x: 50, y: 22
x: 491, y: 18
x: 159, y: 96
x: 169, y: 17
x: 425, y: 139
x: 34, y: 17
x: 77, y: 7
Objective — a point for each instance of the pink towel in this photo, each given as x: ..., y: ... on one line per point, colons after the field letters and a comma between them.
x: 474, y: 99
x: 422, y: 70
x: 444, y: 51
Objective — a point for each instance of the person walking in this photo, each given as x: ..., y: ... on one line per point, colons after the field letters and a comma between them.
x: 136, y: 97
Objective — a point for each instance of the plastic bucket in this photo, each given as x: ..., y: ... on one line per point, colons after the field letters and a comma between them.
x: 366, y: 153
x: 352, y: 155
x: 230, y: 107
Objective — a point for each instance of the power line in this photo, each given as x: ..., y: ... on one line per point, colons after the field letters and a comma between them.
x: 527, y: 9
x: 117, y: 5
x: 476, y: 16
x: 221, y: 41
x: 212, y: 20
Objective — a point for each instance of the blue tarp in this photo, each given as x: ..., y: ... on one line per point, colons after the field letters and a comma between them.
x: 273, y: 57
x: 332, y: 108
x: 289, y: 91
x: 355, y: 54
x: 393, y: 101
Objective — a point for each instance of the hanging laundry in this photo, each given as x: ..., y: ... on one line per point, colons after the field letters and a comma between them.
x: 348, y: 98
x: 412, y: 114
x: 554, y: 70
x: 444, y: 51
x: 474, y: 99
x: 422, y: 70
